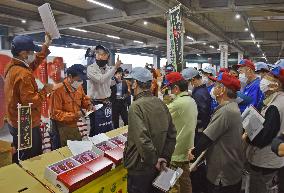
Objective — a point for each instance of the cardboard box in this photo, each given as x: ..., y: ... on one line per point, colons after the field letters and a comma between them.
x: 119, y: 140
x: 99, y: 166
x: 105, y: 146
x: 52, y: 171
x: 115, y: 155
x: 75, y: 178
x: 5, y: 153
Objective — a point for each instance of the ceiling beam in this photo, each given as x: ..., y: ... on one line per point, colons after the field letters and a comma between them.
x: 12, y: 22
x: 117, y: 4
x: 59, y: 6
x: 19, y: 13
x: 140, y: 30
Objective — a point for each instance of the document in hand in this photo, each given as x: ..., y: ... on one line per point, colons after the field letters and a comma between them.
x: 252, y: 122
x: 48, y: 21
x: 167, y: 179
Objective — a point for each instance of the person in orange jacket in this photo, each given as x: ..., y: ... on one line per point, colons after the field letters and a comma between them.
x: 67, y: 104
x: 20, y: 88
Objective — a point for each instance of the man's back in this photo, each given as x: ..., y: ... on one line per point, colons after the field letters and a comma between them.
x: 151, y: 133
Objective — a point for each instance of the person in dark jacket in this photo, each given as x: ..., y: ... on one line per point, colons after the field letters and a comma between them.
x: 119, y: 95
x: 203, y: 100
x: 151, y: 136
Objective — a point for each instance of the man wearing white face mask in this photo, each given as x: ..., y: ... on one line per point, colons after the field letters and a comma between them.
x: 264, y: 164
x: 20, y: 88
x: 67, y: 103
x: 250, y: 83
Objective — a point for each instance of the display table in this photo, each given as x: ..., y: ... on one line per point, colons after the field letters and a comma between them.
x: 111, y: 182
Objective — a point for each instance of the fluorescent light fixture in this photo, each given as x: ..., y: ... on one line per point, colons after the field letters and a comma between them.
x: 191, y: 38
x: 204, y: 43
x: 263, y: 54
x: 100, y: 4
x: 252, y: 35
x: 77, y: 29
x: 114, y: 37
x: 218, y: 49
x: 145, y: 23
x: 157, y: 46
x: 24, y: 21
x: 138, y: 42
x: 246, y: 29
x: 237, y: 16
x: 211, y: 46
x: 198, y: 54
x: 258, y: 45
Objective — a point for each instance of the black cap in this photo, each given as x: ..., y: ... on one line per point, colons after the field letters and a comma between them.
x: 77, y: 70
x: 101, y: 47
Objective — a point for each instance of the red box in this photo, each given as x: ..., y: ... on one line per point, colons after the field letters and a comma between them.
x: 99, y: 166
x: 115, y: 155
x: 76, y: 178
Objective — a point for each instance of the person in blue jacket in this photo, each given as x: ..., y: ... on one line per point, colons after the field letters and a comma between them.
x: 207, y: 72
x: 250, y: 83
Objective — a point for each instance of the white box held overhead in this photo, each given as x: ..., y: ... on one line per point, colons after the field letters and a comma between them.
x: 48, y: 20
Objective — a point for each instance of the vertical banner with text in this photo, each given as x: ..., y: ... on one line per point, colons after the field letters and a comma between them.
x: 224, y: 55
x: 24, y: 127
x: 175, y: 38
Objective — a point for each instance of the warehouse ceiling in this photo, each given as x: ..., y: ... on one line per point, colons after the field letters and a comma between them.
x: 255, y: 27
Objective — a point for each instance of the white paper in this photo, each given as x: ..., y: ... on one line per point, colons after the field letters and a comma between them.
x: 97, y: 107
x: 77, y: 147
x: 197, y: 161
x: 48, y: 21
x: 99, y: 138
x: 252, y: 122
x: 167, y: 179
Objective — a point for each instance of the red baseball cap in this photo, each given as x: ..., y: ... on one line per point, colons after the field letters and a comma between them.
x: 173, y: 77
x: 228, y: 81
x: 247, y: 63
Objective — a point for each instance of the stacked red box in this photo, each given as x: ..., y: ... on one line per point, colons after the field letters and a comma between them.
x: 99, y: 166
x: 115, y: 155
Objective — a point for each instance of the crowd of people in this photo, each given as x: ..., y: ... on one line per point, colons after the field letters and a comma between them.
x: 200, y: 115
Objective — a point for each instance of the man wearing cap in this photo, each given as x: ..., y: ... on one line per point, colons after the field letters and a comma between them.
x: 67, y: 104
x: 119, y: 99
x: 184, y: 113
x: 264, y: 165
x: 222, y: 139
x: 203, y: 100
x: 250, y: 83
x: 20, y: 88
x: 261, y: 69
x: 207, y: 72
x: 151, y: 135
x: 100, y: 80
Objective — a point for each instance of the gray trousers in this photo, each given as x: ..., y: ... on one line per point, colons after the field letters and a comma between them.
x: 262, y: 182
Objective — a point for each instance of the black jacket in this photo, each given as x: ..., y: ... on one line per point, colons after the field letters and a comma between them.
x: 203, y: 100
x: 114, y: 90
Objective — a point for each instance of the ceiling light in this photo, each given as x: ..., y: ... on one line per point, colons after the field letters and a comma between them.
x: 258, y: 45
x: 263, y: 54
x: 145, y: 23
x: 204, y: 43
x: 191, y: 38
x: 252, y: 35
x: 198, y: 54
x: 77, y: 29
x: 211, y: 46
x: 24, y: 21
x: 138, y: 42
x: 157, y: 46
x: 237, y: 16
x: 114, y: 37
x: 246, y: 29
x: 100, y: 4
x: 218, y: 49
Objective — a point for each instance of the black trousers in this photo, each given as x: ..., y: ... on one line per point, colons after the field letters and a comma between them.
x: 36, y: 148
x: 142, y: 182
x: 281, y: 180
x: 119, y: 108
x: 236, y: 188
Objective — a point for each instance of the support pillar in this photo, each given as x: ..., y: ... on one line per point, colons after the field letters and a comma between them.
x: 240, y: 56
x: 157, y: 61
